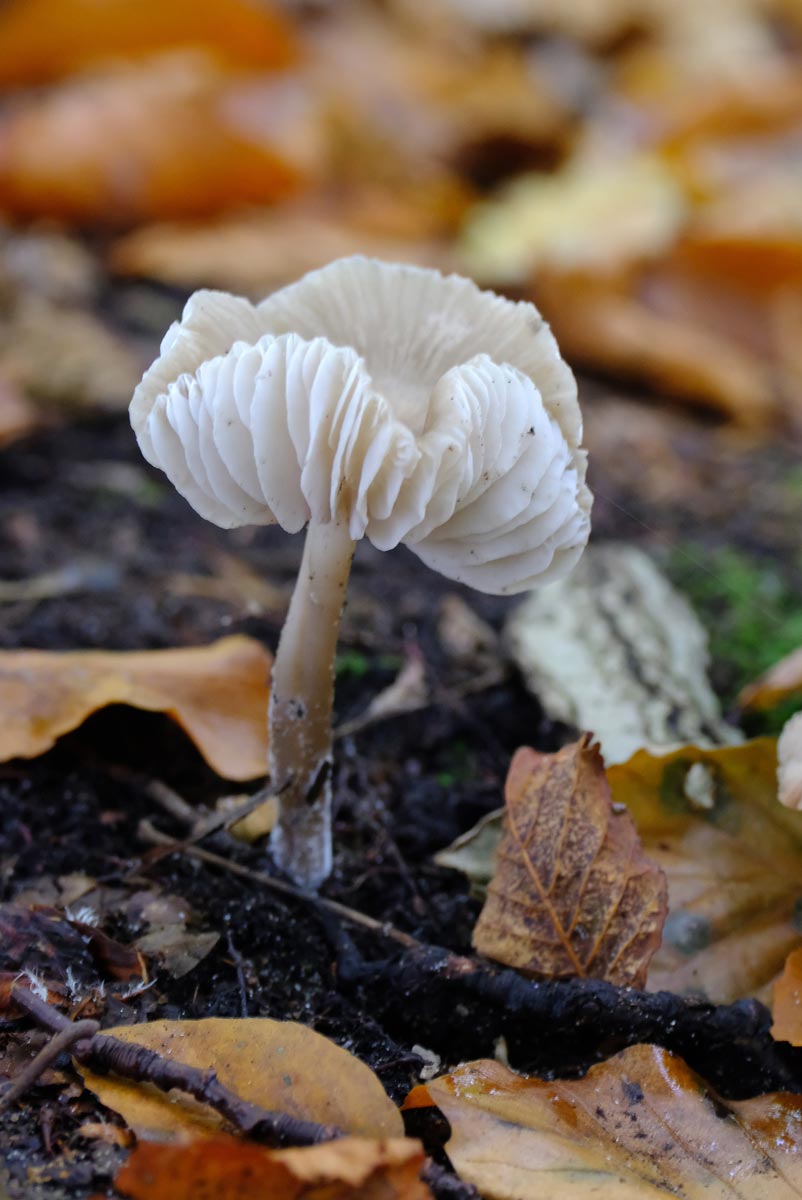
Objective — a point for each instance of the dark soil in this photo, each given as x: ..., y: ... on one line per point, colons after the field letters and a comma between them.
x: 81, y: 498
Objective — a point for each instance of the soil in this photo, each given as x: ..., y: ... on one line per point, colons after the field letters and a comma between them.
x: 80, y: 497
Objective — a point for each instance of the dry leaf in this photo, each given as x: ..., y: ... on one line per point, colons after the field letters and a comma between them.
x: 66, y: 358
x: 787, y: 1006
x: 173, y: 138
x: 640, y: 1125
x: 606, y: 324
x: 616, y: 649
x: 277, y: 1065
x: 18, y: 416
x: 552, y: 222
x: 780, y: 682
x: 256, y: 252
x: 573, y: 894
x: 789, y: 763
x: 733, y: 861
x: 80, y: 33
x: 352, y: 1168
x: 218, y: 695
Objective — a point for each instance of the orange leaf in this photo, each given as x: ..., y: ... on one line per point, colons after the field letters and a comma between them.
x: 573, y: 893
x: 42, y: 40
x: 780, y: 682
x: 357, y: 1168
x: 640, y: 1125
x: 278, y: 1065
x: 606, y: 323
x: 787, y: 1007
x: 218, y: 695
x: 173, y: 138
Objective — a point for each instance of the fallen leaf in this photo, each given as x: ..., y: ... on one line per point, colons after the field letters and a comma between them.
x: 605, y: 323
x: 351, y: 1167
x: 18, y: 416
x: 172, y: 138
x: 733, y: 864
x: 641, y: 1124
x: 616, y: 649
x: 779, y: 683
x: 218, y: 695
x: 787, y: 1005
x: 278, y: 1065
x: 65, y: 358
x: 255, y: 252
x: 552, y: 221
x: 475, y: 852
x: 789, y: 764
x: 573, y: 893
x: 408, y: 692
x: 81, y: 33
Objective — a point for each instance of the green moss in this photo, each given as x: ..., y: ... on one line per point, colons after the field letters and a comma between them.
x: 751, y: 607
x: 356, y: 665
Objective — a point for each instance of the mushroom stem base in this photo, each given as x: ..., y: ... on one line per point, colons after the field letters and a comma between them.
x: 301, y: 702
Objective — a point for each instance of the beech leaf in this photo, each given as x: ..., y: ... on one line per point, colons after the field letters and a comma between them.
x: 218, y: 694
x: 233, y: 1170
x: 779, y: 683
x: 353, y: 1168
x: 640, y: 1125
x: 277, y: 1065
x: 787, y: 1005
x: 573, y: 893
x: 733, y: 858
x: 81, y: 33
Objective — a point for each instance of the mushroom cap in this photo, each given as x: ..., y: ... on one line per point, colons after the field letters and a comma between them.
x: 410, y: 406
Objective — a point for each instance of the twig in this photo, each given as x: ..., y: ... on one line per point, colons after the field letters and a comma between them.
x: 106, y: 1054
x: 201, y: 829
x: 151, y: 834
x: 66, y: 1037
x: 467, y: 1003
x: 236, y: 958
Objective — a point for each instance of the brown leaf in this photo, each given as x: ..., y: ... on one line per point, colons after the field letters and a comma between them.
x: 787, y: 1006
x: 789, y: 763
x: 83, y: 32
x: 780, y: 682
x: 218, y: 695
x: 608, y: 324
x: 353, y: 1168
x: 172, y: 138
x: 277, y: 1065
x: 18, y: 416
x: 640, y: 1125
x: 733, y: 859
x: 573, y: 893
x: 257, y: 251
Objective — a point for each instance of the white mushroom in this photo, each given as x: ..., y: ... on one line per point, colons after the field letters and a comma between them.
x: 367, y: 400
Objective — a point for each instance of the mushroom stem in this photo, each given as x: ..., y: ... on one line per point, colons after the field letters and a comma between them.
x: 301, y: 701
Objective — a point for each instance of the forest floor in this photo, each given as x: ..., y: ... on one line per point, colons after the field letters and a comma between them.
x: 717, y: 509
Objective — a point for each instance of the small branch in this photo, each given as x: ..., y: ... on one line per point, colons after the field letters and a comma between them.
x: 467, y: 1003
x: 105, y: 1054
x: 149, y: 833
x: 67, y: 1036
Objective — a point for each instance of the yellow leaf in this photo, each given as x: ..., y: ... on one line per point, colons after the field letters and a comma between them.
x: 233, y: 1170
x: 573, y: 893
x: 733, y: 858
x: 218, y: 695
x: 787, y: 1005
x: 278, y: 1065
x: 640, y: 1125
x: 780, y: 682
